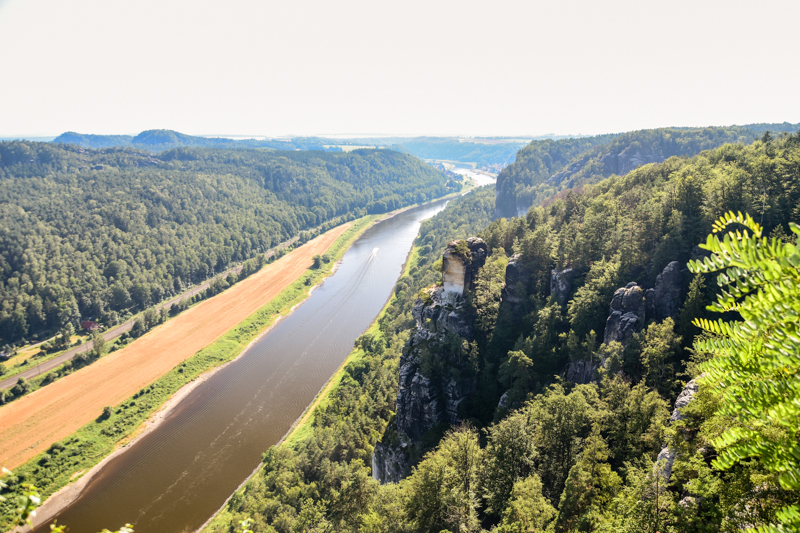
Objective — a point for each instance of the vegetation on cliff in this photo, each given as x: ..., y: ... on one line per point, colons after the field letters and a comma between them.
x: 546, y: 167
x: 558, y: 456
x: 324, y: 478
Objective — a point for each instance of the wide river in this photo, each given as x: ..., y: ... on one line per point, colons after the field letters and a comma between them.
x: 174, y: 478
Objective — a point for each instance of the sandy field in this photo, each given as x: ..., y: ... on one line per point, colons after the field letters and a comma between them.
x: 29, y: 425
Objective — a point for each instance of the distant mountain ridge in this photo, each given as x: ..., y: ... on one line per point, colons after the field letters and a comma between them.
x: 160, y: 140
x: 488, y: 153
x: 545, y: 167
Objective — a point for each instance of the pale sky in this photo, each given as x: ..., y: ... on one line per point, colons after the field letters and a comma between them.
x: 301, y: 67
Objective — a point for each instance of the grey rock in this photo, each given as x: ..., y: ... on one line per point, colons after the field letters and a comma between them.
x: 664, y: 463
x: 666, y: 456
x: 455, y: 392
x: 504, y: 402
x: 574, y: 168
x: 627, y: 314
x: 390, y: 462
x: 561, y: 284
x: 445, y: 313
x: 581, y: 371
x: 664, y: 299
x: 629, y: 159
x: 517, y: 278
x: 684, y: 398
x: 690, y: 501
x: 609, y: 162
x: 417, y: 406
x: 423, y: 403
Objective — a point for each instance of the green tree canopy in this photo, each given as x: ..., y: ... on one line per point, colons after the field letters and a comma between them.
x: 756, y: 360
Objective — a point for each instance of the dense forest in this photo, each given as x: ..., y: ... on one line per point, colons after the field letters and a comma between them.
x: 540, y: 446
x: 98, y: 233
x: 545, y: 167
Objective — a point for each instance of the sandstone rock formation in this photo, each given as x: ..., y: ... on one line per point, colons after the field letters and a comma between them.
x: 442, y: 314
x: 423, y: 402
x: 628, y: 159
x: 581, y: 371
x: 627, y: 314
x: 666, y: 457
x: 664, y: 299
x: 517, y: 277
x: 461, y: 261
x: 565, y: 175
x: 390, y: 461
x: 684, y: 398
x: 561, y: 284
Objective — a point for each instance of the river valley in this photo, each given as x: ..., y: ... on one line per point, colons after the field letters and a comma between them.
x: 175, y: 477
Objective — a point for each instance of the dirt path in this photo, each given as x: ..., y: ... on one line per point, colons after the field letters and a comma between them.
x: 29, y: 425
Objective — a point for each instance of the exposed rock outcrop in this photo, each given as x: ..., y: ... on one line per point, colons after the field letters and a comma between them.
x: 626, y: 317
x: 684, y: 398
x: 664, y: 299
x: 424, y: 402
x: 666, y: 457
x: 517, y: 278
x: 627, y: 314
x: 561, y: 284
x: 628, y: 159
x: 565, y: 175
x: 461, y: 261
x: 390, y: 461
x: 581, y: 371
x: 442, y: 313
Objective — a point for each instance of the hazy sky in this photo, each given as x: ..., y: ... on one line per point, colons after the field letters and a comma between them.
x: 498, y: 67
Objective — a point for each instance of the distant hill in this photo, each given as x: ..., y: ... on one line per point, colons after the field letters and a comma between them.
x: 545, y: 167
x: 160, y: 140
x: 93, y: 141
x: 489, y: 153
x: 103, y: 232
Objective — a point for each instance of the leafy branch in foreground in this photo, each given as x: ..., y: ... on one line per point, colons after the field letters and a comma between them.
x: 756, y: 360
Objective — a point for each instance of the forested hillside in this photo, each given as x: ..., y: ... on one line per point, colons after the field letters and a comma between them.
x: 326, y: 479
x: 564, y: 367
x: 485, y: 154
x: 158, y: 140
x: 101, y: 232
x: 546, y: 167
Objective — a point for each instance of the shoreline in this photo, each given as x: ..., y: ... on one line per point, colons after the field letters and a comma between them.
x: 309, y: 410
x: 68, y: 494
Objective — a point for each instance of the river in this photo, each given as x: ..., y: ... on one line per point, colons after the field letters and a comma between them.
x: 175, y: 477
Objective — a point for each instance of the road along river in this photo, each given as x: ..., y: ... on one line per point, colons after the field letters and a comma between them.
x: 175, y: 477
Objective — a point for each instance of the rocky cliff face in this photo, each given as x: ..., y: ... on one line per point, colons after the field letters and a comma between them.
x: 424, y: 402
x: 629, y: 159
x: 666, y: 457
x: 561, y: 284
x: 630, y: 307
x: 461, y: 261
x: 664, y: 299
x: 627, y: 314
x: 517, y: 278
